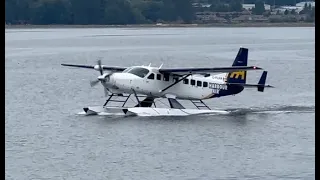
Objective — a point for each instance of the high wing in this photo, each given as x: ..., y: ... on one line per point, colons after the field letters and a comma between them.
x: 183, y: 71
x: 110, y: 68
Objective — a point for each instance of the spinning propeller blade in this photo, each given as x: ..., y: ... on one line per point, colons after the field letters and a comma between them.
x: 94, y: 83
x: 102, y: 80
x: 100, y: 67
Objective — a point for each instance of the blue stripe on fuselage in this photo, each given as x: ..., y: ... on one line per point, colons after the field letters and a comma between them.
x: 232, y: 89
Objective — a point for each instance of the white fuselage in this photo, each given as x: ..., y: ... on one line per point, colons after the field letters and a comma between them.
x: 193, y: 87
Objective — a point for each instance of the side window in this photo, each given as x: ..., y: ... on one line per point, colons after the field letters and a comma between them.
x: 193, y: 82
x: 205, y: 84
x: 175, y: 79
x: 158, y: 76
x: 186, y: 81
x: 151, y: 76
x: 199, y: 83
x: 166, y: 77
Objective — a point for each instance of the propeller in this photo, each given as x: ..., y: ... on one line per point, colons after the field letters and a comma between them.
x: 100, y: 78
x: 94, y: 83
x: 98, y: 67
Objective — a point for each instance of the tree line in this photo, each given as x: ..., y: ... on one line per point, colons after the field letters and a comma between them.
x: 118, y: 12
x: 97, y: 11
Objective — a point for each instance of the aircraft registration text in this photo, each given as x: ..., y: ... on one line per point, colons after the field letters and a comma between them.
x: 218, y: 86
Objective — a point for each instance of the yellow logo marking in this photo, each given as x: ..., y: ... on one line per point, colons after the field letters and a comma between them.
x: 237, y: 74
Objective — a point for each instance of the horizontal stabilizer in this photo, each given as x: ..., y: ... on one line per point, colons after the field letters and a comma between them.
x: 252, y: 85
x: 261, y: 84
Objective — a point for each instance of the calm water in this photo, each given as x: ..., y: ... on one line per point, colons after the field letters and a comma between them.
x: 269, y: 135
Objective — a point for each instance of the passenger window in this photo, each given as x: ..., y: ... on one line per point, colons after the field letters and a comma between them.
x: 151, y: 76
x: 166, y: 77
x: 193, y: 82
x: 186, y: 81
x: 158, y: 76
x: 199, y: 83
x: 175, y: 79
x: 205, y: 84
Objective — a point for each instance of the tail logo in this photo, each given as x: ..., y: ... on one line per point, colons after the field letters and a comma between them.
x: 236, y: 75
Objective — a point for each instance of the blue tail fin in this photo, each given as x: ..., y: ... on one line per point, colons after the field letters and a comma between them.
x: 240, y: 60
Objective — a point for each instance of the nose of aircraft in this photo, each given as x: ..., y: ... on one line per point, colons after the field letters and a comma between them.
x: 122, y: 80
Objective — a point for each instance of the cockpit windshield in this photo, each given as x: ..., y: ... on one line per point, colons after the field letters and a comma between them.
x: 139, y: 71
x: 126, y: 70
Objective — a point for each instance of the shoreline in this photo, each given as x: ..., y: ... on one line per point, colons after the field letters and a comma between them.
x: 256, y: 24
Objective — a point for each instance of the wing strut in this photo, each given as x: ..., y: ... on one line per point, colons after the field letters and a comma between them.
x: 135, y: 94
x: 175, y: 83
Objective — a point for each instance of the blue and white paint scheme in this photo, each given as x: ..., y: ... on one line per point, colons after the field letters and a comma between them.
x: 178, y: 83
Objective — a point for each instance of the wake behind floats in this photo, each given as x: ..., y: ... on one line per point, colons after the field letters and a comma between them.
x: 194, y: 84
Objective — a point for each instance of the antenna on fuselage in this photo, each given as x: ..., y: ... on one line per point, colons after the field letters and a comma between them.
x: 149, y: 64
x: 160, y: 66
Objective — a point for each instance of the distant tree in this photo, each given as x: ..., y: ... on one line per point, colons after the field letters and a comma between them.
x: 17, y: 11
x: 219, y: 8
x: 235, y: 6
x: 52, y: 12
x: 309, y: 19
x: 302, y: 19
x: 310, y: 15
x: 168, y: 12
x: 275, y: 19
x: 286, y: 12
x: 309, y: 7
x: 313, y: 11
x: 119, y: 12
x: 305, y: 6
x: 293, y: 12
x: 213, y: 7
x: 125, y: 11
x: 267, y: 14
x: 286, y: 2
x: 306, y: 9
x: 139, y: 18
x: 10, y: 13
x: 227, y: 17
x: 152, y: 10
x: 88, y: 12
x: 259, y: 8
x: 184, y: 10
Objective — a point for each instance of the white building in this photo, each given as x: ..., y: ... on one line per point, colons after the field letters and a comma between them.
x: 301, y: 4
x: 203, y: 5
x: 248, y: 6
x: 298, y: 7
x: 267, y: 7
x: 282, y: 9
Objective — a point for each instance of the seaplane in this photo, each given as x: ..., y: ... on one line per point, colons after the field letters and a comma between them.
x: 172, y: 84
